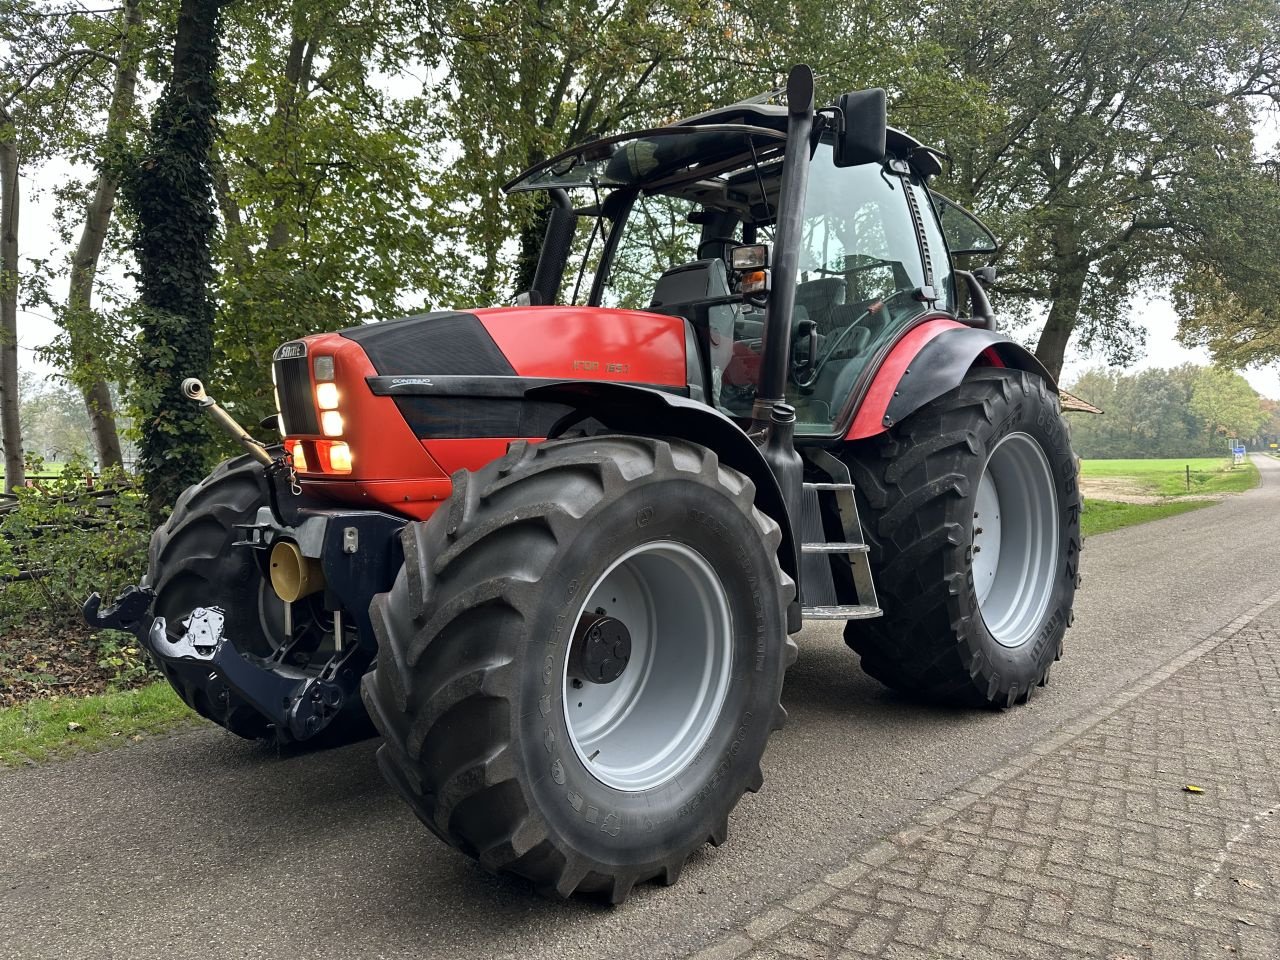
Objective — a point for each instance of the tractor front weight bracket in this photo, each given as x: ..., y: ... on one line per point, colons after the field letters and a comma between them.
x: 301, y: 705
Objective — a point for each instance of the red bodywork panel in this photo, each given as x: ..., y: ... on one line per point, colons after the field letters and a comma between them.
x: 590, y: 343
x: 870, y: 418
x: 392, y: 469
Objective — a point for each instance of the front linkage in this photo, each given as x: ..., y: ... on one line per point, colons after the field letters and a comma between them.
x: 297, y: 550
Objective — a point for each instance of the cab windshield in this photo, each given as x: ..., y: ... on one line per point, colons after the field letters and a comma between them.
x: 668, y: 250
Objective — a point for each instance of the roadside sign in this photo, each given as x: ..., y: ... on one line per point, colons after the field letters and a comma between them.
x: 1275, y: 446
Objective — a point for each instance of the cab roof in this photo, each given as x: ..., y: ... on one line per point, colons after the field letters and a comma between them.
x: 729, y: 138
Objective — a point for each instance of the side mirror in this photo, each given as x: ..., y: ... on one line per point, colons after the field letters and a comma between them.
x: 866, y: 121
x: 985, y: 276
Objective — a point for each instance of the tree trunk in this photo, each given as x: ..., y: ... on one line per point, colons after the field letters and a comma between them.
x: 84, y: 265
x: 10, y: 427
x: 171, y: 191
x: 1067, y: 289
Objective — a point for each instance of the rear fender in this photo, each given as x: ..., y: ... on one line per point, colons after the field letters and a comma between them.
x: 645, y: 412
x: 930, y: 360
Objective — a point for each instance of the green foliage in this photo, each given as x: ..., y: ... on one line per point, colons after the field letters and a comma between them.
x: 1155, y: 413
x: 1117, y: 153
x: 71, y: 536
x: 45, y: 729
x: 53, y: 421
x: 325, y: 181
x: 1225, y: 403
x: 170, y: 190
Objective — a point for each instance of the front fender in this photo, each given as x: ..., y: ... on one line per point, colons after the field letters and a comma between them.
x: 930, y: 360
x: 646, y: 412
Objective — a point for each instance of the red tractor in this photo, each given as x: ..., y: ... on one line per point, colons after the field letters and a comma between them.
x: 557, y: 551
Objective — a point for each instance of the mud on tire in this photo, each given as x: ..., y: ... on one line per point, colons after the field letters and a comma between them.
x: 474, y: 635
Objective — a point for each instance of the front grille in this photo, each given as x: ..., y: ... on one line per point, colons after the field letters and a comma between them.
x: 297, y: 406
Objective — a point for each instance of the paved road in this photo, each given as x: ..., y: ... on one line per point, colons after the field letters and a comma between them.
x: 199, y: 845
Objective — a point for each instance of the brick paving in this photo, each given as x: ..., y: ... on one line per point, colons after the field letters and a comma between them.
x: 1089, y: 845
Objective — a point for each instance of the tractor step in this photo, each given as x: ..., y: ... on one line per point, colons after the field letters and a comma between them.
x: 856, y: 611
x: 836, y: 571
x: 833, y: 548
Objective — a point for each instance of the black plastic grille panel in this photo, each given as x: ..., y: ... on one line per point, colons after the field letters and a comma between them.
x: 297, y: 406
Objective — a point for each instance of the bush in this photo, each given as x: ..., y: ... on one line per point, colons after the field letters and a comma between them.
x: 64, y: 538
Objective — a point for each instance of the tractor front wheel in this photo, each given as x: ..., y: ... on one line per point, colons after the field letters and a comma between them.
x: 972, y: 516
x: 581, y: 661
x: 193, y: 563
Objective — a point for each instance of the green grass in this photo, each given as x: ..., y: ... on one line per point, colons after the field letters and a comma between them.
x: 1100, y: 516
x: 42, y: 729
x: 50, y: 468
x: 1168, y: 478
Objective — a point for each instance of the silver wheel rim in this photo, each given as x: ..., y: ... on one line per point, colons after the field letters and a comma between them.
x: 1015, y: 539
x: 644, y: 728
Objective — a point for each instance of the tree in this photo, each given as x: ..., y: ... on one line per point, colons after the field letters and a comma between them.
x: 1117, y: 151
x: 75, y: 71
x: 97, y: 215
x: 53, y: 419
x: 1184, y: 411
x: 1225, y: 403
x: 325, y: 179
x: 1217, y: 301
x: 10, y: 427
x: 170, y: 190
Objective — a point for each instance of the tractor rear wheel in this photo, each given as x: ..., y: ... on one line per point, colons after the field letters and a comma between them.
x: 581, y: 661
x: 192, y: 563
x: 972, y: 516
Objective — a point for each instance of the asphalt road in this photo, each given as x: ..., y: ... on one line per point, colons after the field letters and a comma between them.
x: 200, y: 845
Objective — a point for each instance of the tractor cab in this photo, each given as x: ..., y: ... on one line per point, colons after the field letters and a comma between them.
x: 683, y: 220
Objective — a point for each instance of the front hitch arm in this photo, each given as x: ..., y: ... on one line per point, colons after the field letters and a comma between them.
x: 127, y: 613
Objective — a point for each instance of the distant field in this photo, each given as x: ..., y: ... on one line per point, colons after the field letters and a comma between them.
x: 1168, y: 478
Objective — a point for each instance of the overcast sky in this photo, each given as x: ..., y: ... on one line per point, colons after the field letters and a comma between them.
x: 38, y: 238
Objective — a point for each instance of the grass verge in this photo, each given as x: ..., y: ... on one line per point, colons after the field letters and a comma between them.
x: 1100, y: 516
x: 45, y: 728
x: 1168, y: 478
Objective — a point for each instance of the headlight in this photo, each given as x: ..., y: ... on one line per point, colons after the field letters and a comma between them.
x: 340, y: 458
x: 331, y: 423
x: 327, y: 396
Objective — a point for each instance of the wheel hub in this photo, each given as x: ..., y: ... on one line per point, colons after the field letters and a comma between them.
x: 648, y: 667
x: 601, y: 649
x: 1015, y: 539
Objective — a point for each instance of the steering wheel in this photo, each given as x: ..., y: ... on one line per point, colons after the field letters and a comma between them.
x: 839, y: 339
